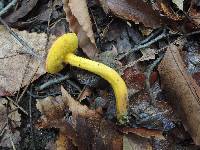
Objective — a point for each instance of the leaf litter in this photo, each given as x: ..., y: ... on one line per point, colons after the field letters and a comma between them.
x: 88, y: 125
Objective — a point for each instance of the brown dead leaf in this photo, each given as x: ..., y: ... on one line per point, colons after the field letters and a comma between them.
x: 84, y: 129
x: 181, y: 89
x: 17, y: 69
x: 80, y: 23
x: 84, y: 94
x: 9, y: 133
x: 165, y: 9
x: 76, y: 108
x: 146, y: 133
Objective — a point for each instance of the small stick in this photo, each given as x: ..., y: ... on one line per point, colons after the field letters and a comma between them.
x: 53, y: 81
x: 152, y: 35
x: 163, y: 35
x: 5, y: 9
x: 44, y: 96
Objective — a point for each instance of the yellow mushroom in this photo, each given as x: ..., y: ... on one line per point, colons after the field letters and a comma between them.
x: 62, y: 51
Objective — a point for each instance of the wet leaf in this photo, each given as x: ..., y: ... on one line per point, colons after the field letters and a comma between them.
x: 153, y: 16
x: 137, y: 11
x: 80, y: 23
x: 181, y: 89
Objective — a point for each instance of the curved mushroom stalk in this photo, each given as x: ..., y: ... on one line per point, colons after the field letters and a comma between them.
x: 62, y: 51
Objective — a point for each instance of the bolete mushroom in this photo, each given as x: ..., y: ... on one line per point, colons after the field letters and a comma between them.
x: 62, y: 51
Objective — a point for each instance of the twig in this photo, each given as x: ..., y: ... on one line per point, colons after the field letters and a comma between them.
x: 74, y: 85
x: 29, y: 49
x: 152, y: 35
x: 43, y: 96
x: 138, y: 47
x: 53, y: 81
x: 19, y: 99
x: 5, y: 9
x: 19, y: 107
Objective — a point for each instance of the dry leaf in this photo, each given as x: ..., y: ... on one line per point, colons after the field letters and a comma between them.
x: 182, y: 90
x: 86, y: 92
x: 14, y: 119
x: 76, y: 108
x: 18, y: 69
x: 84, y: 129
x: 79, y: 22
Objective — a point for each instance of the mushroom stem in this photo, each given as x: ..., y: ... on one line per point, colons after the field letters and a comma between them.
x: 108, y: 74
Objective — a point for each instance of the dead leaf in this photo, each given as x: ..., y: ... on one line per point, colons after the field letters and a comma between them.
x: 23, y: 10
x: 17, y: 69
x: 80, y: 23
x: 84, y: 94
x: 146, y: 133
x: 137, y: 11
x: 165, y: 9
x: 84, y: 129
x: 181, y: 89
x: 9, y: 133
x: 76, y: 108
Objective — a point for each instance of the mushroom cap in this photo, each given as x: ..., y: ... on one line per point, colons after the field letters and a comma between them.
x: 67, y: 43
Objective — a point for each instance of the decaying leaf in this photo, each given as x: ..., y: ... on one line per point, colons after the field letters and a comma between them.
x: 165, y: 9
x: 86, y: 129
x: 146, y: 133
x: 17, y: 68
x: 23, y: 10
x: 141, y: 12
x: 181, y: 89
x: 10, y: 119
x: 137, y: 11
x: 80, y: 23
